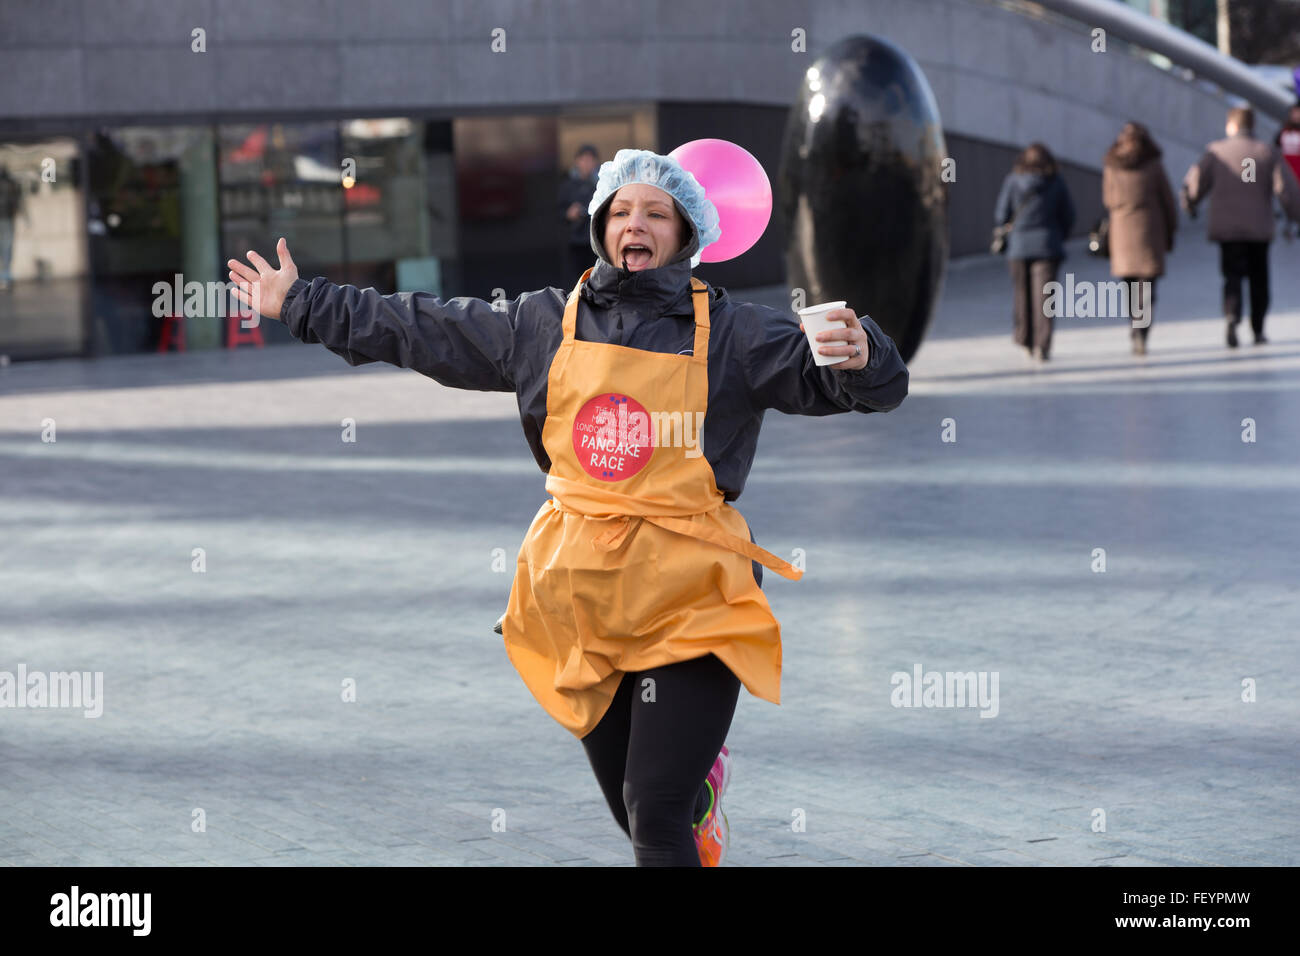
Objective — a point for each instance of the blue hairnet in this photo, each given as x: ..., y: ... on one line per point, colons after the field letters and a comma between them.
x: 662, y: 172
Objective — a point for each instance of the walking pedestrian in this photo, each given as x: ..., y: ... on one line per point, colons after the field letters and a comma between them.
x: 11, y: 204
x: 636, y: 612
x: 1036, y: 202
x: 1241, y: 175
x: 1288, y: 143
x: 1288, y: 140
x: 575, y: 194
x: 1143, y: 219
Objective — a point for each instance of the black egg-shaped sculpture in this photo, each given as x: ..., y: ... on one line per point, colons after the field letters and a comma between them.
x: 861, y: 188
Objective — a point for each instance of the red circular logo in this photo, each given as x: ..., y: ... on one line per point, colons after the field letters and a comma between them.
x: 611, y: 437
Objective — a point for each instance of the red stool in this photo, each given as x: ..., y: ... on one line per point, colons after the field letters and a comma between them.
x: 236, y: 335
x: 173, y: 330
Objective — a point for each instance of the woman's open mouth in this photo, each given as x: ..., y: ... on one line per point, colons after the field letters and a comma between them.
x: 636, y: 255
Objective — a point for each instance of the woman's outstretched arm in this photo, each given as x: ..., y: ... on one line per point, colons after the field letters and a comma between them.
x: 780, y: 372
x: 460, y: 343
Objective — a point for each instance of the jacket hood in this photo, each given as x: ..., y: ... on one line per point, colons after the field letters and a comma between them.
x: 598, y: 234
x: 1135, y: 155
x: 666, y: 290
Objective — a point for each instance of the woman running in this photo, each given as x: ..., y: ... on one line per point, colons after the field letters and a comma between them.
x: 636, y: 611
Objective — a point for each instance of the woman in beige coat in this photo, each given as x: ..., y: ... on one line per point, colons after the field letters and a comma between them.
x: 1137, y: 196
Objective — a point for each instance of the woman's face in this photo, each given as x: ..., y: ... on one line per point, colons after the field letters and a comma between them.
x: 643, y: 227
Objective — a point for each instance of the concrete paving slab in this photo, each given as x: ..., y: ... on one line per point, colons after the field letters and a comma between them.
x: 1120, y: 691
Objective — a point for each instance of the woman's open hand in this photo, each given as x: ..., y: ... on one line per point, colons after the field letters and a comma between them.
x: 851, y: 341
x: 260, y: 286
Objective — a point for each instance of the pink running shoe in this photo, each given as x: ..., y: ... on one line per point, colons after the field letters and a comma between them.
x: 713, y: 833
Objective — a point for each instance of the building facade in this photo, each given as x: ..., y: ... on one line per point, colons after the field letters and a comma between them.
x: 409, y: 145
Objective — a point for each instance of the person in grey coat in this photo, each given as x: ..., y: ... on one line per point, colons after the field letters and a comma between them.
x: 1241, y: 175
x: 1034, y: 198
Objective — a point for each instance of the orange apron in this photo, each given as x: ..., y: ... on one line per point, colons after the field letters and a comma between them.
x: 635, y: 561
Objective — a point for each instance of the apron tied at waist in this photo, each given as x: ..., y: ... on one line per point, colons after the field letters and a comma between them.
x: 612, y: 537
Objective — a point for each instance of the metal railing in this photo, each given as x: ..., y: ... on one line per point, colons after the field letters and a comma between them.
x: 1178, y: 46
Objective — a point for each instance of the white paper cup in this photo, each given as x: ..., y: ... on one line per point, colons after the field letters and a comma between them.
x: 814, y: 321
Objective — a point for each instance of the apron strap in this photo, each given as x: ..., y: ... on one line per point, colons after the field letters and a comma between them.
x: 571, y: 309
x: 613, y: 536
x: 730, y: 541
x: 699, y: 295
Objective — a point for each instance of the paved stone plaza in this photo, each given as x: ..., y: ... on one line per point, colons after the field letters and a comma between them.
x: 1118, y: 692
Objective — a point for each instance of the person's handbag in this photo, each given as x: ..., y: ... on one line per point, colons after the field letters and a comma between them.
x: 998, y: 244
x: 1099, y: 238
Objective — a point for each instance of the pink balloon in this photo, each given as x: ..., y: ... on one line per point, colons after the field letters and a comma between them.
x: 734, y: 181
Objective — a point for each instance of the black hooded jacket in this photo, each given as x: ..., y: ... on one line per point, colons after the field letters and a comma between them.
x: 573, y: 189
x: 758, y: 357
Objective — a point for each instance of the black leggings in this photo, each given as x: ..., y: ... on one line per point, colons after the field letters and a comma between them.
x: 654, y: 748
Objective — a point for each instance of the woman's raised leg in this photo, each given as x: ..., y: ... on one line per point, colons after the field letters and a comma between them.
x: 681, y: 713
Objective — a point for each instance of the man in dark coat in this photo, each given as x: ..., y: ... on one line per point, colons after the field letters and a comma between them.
x: 575, y: 194
x: 1241, y: 175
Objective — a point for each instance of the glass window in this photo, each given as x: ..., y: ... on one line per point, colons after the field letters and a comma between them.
x: 152, y: 216
x: 367, y: 201
x: 506, y: 177
x: 283, y: 179
x: 42, y: 249
x: 391, y: 202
